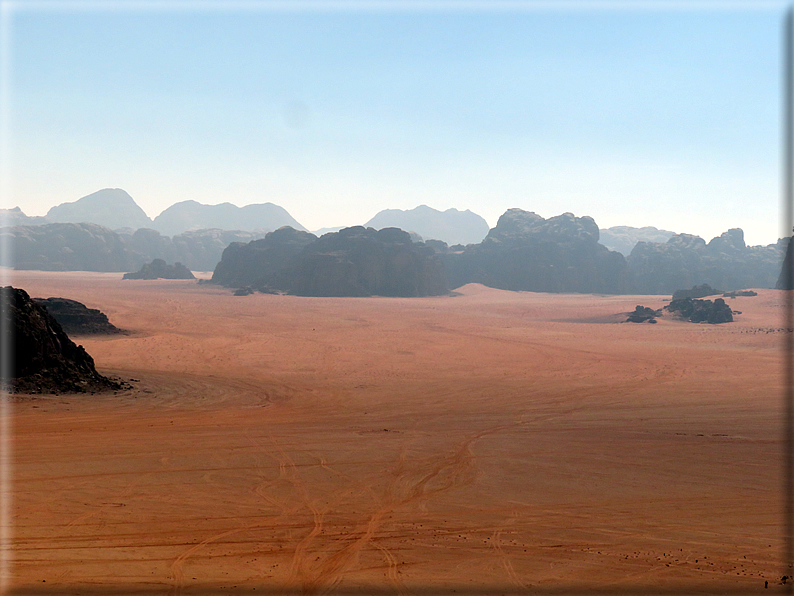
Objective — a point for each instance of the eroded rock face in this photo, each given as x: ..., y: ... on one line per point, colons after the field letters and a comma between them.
x: 785, y: 280
x: 159, y: 269
x: 361, y: 261
x: 527, y: 252
x: 355, y: 261
x: 75, y: 318
x: 44, y: 359
x: 685, y: 261
x: 255, y: 263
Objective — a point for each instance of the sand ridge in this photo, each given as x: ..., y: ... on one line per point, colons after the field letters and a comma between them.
x: 492, y: 441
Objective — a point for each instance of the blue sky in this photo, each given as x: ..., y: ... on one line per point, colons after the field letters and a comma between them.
x: 636, y: 114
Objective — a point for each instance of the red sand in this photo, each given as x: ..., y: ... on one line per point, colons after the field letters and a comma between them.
x: 494, y: 441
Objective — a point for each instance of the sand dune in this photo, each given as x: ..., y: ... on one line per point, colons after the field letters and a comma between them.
x: 494, y: 442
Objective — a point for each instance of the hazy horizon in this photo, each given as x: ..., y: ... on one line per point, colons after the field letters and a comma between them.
x: 638, y: 114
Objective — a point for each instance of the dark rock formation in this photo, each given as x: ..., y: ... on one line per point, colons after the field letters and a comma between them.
x: 67, y: 247
x: 527, y: 252
x: 355, y: 261
x: 623, y: 238
x: 112, y: 208
x: 700, y: 291
x: 451, y: 226
x: 701, y: 311
x: 785, y: 280
x: 159, y: 269
x: 75, y: 318
x: 642, y: 314
x: 686, y: 260
x: 256, y: 263
x: 361, y: 261
x: 191, y: 215
x: 739, y: 293
x: 43, y: 358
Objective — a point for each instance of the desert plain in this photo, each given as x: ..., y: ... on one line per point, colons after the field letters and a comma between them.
x: 488, y: 442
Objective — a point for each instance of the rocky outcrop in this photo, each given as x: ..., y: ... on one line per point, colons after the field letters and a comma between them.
x: 43, y: 358
x: 112, y: 208
x: 75, y: 318
x: 450, y: 226
x: 355, y: 261
x: 527, y: 252
x: 785, y: 280
x: 361, y: 261
x: 642, y: 314
x: 191, y: 215
x: 686, y: 261
x: 159, y: 269
x: 622, y: 239
x: 256, y: 263
x: 701, y: 311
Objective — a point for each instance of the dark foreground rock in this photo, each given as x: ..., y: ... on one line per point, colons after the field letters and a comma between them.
x: 159, y: 269
x: 75, y: 318
x: 43, y: 358
x: 701, y: 311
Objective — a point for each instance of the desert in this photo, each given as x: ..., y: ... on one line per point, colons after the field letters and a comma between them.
x: 488, y: 442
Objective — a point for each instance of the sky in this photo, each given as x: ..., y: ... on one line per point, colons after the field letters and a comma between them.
x: 636, y: 113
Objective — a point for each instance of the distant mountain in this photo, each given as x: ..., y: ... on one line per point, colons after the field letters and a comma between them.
x: 15, y: 217
x: 451, y: 226
x: 112, y: 208
x: 623, y: 238
x: 67, y: 247
x: 191, y: 215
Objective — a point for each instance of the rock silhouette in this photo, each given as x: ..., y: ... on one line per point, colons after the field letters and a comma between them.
x: 159, y: 269
x: 527, y: 252
x: 44, y: 359
x: 355, y: 261
x: 75, y: 318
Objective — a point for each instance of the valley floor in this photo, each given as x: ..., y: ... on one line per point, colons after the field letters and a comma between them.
x: 490, y: 442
